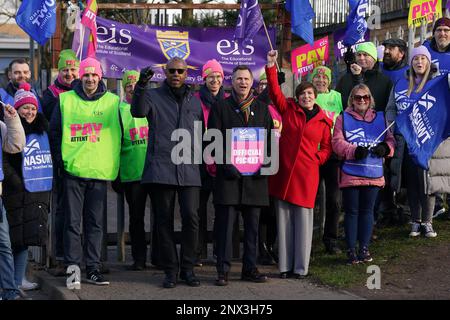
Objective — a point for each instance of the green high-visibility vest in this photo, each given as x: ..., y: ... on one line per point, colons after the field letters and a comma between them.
x: 134, y: 145
x: 91, y: 136
x: 331, y: 104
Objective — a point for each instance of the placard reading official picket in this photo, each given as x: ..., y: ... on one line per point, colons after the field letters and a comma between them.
x: 125, y: 46
x: 247, y: 149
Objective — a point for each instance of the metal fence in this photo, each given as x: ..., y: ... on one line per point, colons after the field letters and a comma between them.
x: 336, y: 11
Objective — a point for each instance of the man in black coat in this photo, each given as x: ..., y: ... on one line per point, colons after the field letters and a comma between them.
x: 172, y: 111
x: 366, y: 71
x: 233, y: 191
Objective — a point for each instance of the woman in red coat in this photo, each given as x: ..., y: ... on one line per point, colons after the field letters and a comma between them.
x: 304, y: 145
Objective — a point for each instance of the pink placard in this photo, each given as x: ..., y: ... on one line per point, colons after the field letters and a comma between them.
x: 305, y: 58
x: 247, y: 149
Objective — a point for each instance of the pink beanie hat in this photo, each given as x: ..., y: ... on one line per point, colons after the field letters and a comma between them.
x: 90, y: 65
x: 24, y: 96
x: 210, y: 67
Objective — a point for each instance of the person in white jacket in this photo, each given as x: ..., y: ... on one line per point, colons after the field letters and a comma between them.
x: 12, y: 141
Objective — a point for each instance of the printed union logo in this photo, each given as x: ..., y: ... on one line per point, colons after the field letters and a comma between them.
x: 174, y: 44
x: 246, y: 134
x: 32, y: 146
x: 400, y: 95
x: 354, y: 134
x: 427, y: 101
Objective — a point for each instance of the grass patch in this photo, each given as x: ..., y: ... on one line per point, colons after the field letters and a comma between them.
x: 393, y: 245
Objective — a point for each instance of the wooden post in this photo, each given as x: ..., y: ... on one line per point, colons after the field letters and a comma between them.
x: 56, y: 40
x: 286, y: 38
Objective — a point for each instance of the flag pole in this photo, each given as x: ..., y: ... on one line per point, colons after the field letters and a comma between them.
x: 385, y: 130
x: 82, y: 31
x: 270, y: 43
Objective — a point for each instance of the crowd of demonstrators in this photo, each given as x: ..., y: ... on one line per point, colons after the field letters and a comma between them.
x: 169, y: 108
x: 361, y: 174
x: 331, y: 103
x: 132, y: 143
x: 421, y: 184
x: 305, y: 144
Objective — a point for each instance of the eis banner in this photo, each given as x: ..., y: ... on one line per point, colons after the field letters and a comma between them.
x: 125, y: 46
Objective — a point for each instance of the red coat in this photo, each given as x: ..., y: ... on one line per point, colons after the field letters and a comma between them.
x: 297, y: 179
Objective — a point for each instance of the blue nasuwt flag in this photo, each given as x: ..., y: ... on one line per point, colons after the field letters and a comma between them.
x: 356, y: 22
x: 249, y: 22
x: 301, y: 19
x: 426, y: 122
x: 38, y: 19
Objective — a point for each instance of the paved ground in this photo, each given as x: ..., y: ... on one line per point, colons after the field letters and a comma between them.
x: 146, y: 285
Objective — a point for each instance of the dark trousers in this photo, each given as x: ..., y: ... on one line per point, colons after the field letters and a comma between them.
x: 83, y: 201
x: 329, y: 172
x: 267, y: 232
x: 203, y: 223
x: 225, y: 217
x: 385, y: 203
x: 136, y: 196
x: 163, y: 201
x: 420, y: 203
x: 59, y: 217
x: 359, y: 203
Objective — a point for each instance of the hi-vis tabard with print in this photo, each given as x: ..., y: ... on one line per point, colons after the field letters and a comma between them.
x: 91, y: 136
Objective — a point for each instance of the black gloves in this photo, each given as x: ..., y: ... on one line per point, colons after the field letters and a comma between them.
x: 349, y: 56
x: 361, y: 152
x: 381, y: 150
x: 145, y: 76
x: 230, y: 172
x: 281, y: 77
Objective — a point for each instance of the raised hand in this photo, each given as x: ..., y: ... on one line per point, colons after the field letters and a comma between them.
x: 10, y: 112
x: 272, y: 56
x: 145, y: 76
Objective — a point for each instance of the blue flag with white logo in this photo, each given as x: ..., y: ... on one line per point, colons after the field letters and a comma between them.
x: 426, y: 122
x: 356, y: 22
x: 38, y: 19
x: 301, y: 19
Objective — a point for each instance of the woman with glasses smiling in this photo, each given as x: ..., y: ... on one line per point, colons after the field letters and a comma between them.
x: 361, y: 142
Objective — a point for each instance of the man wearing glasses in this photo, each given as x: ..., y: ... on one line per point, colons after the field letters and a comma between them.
x: 439, y: 45
x: 168, y: 108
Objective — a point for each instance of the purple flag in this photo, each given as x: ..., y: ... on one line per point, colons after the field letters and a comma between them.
x: 249, y: 22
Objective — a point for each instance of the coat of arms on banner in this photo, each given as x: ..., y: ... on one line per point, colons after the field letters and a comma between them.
x: 174, y: 44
